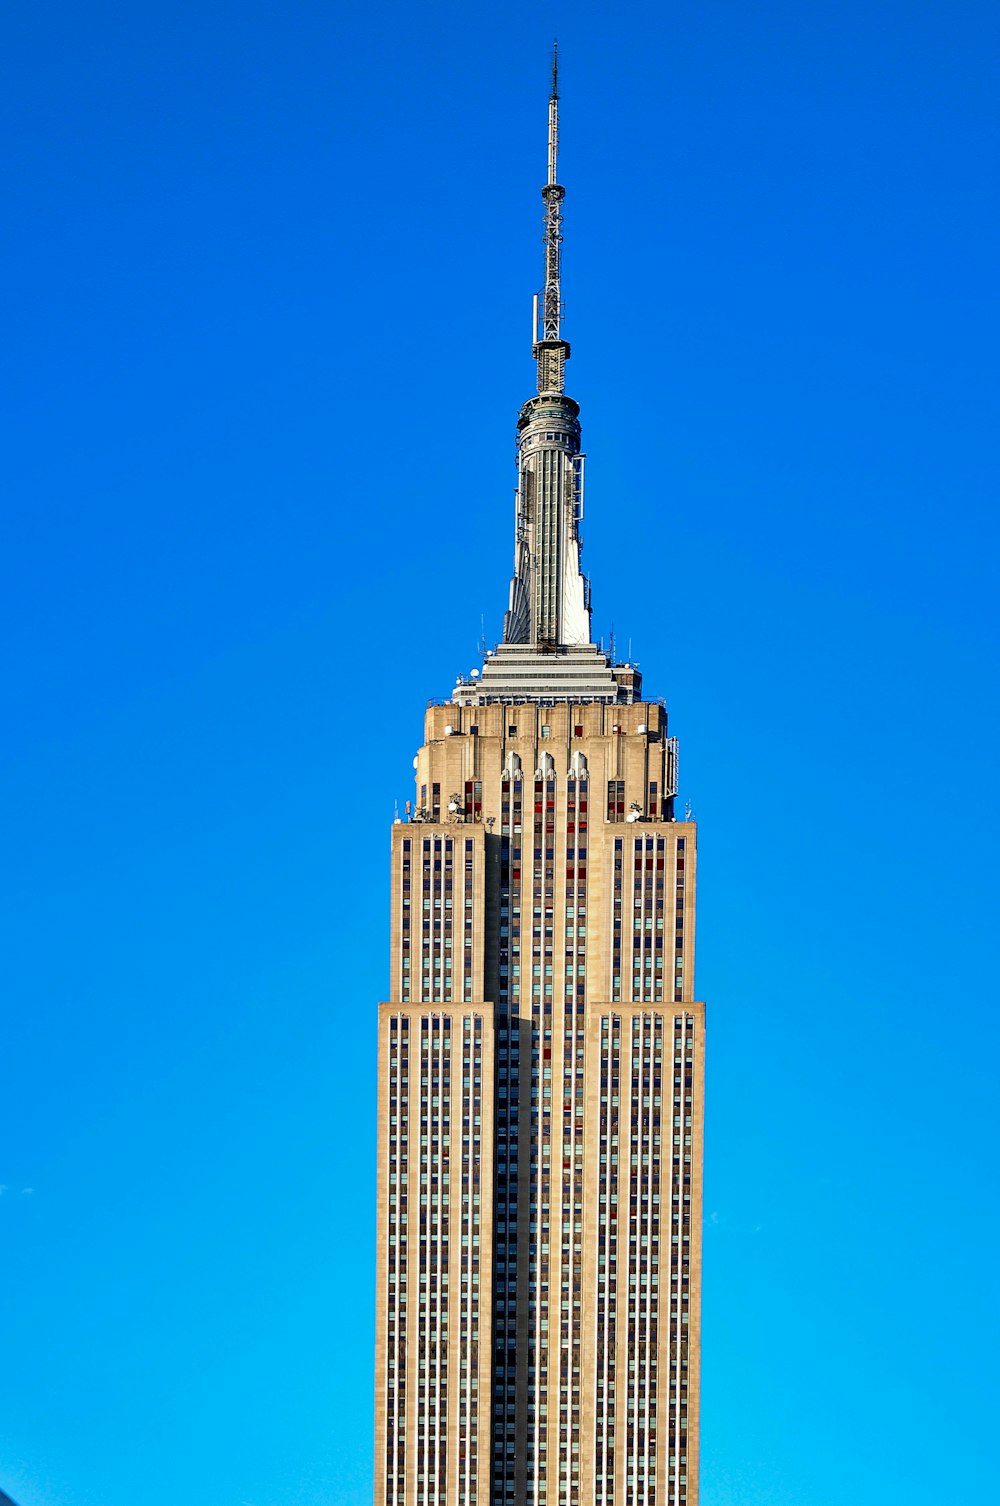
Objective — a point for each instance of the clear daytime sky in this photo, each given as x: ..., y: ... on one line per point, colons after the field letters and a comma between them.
x: 268, y: 273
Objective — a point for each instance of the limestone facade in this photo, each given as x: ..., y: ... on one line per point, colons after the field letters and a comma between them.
x: 541, y: 1066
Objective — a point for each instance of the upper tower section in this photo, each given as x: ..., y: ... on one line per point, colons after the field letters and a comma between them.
x: 547, y: 654
x: 549, y: 597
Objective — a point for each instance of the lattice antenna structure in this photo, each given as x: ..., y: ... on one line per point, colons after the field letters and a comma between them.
x: 553, y: 195
x: 550, y: 349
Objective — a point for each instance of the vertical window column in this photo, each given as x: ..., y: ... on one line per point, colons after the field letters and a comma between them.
x: 643, y: 1260
x: 540, y: 1168
x: 424, y: 993
x: 432, y: 1308
x: 447, y: 900
x: 607, y: 1260
x: 468, y: 917
x: 396, y: 1263
x: 575, y: 955
x: 470, y: 1234
x: 659, y: 922
x: 616, y: 925
x: 679, y: 921
x: 506, y: 1134
x: 406, y: 919
x: 680, y: 1259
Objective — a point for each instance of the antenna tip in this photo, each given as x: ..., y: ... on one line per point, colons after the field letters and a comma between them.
x: 555, y: 68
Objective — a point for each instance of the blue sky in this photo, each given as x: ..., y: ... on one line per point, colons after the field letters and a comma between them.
x: 268, y: 273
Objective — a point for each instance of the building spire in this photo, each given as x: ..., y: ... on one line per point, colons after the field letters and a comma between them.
x: 549, y: 596
x: 550, y: 349
x: 554, y: 116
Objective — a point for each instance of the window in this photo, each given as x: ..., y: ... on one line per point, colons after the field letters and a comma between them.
x: 546, y: 731
x: 511, y: 731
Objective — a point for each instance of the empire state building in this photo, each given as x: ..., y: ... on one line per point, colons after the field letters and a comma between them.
x: 541, y: 1054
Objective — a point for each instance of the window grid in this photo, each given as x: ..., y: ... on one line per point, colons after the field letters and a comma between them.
x: 607, y: 1259
x: 648, y: 881
x: 506, y: 1225
x: 395, y: 1380
x: 681, y: 1099
x: 571, y: 1222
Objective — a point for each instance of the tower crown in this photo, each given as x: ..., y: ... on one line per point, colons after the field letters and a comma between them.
x: 549, y: 598
x: 547, y: 654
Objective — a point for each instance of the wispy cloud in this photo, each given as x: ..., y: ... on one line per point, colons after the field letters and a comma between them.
x: 732, y: 1225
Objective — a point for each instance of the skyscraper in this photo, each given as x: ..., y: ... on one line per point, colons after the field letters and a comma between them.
x: 541, y: 1055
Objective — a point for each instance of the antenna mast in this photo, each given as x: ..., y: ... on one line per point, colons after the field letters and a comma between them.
x: 553, y: 195
x: 550, y: 349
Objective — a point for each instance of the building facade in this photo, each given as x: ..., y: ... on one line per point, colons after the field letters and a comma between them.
x: 541, y: 1057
